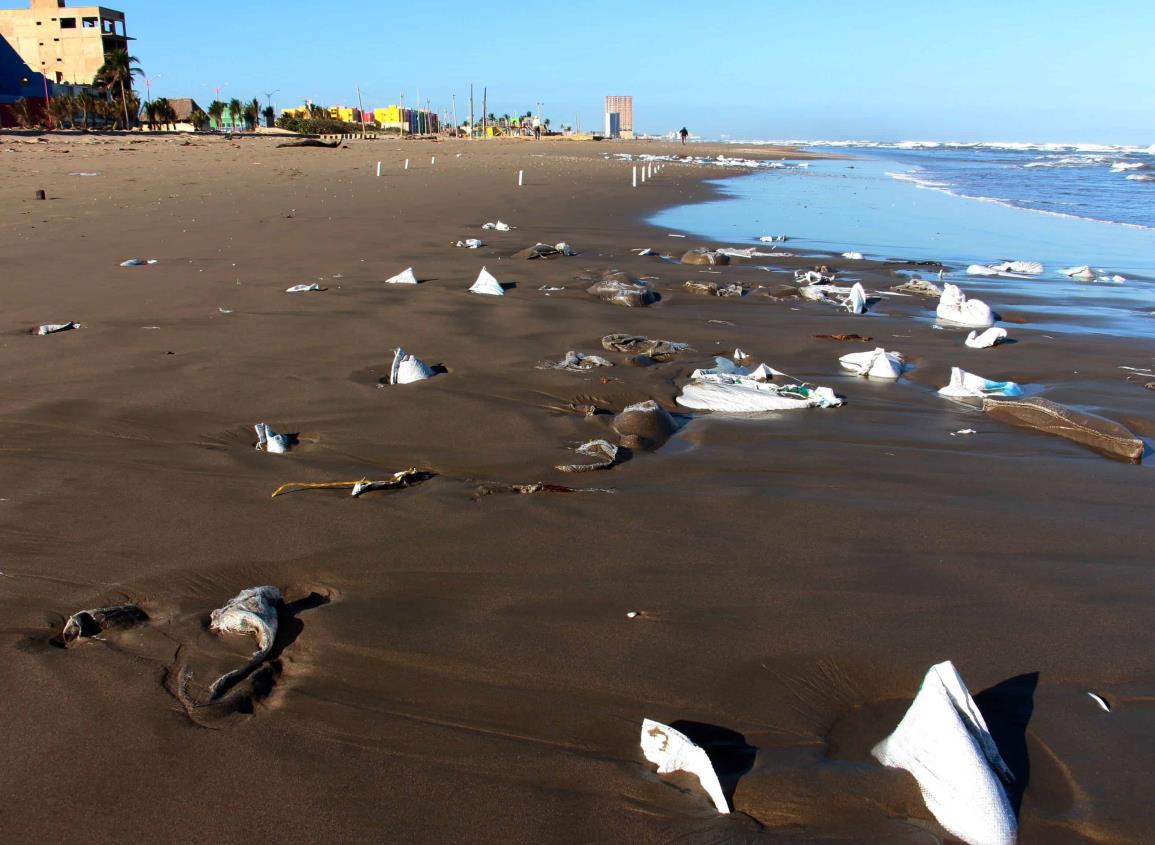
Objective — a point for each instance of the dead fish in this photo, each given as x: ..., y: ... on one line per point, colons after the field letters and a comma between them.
x: 89, y: 623
x: 252, y: 611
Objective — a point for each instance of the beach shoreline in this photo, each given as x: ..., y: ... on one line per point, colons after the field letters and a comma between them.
x: 468, y: 668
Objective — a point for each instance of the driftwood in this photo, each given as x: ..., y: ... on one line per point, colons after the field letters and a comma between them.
x: 311, y: 142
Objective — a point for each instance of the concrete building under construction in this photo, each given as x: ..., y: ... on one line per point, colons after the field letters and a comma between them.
x: 64, y: 44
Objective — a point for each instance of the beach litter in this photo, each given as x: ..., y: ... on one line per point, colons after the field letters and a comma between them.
x: 878, y: 364
x: 814, y: 277
x: 944, y: 742
x: 487, y: 284
x: 770, y: 239
x: 271, y: 442
x: 407, y: 368
x: 1100, y: 701
x: 405, y: 277
x: 397, y: 481
x: 641, y: 252
x: 471, y: 243
x: 53, y: 328
x: 617, y: 291
x: 1104, y: 436
x: 576, y: 361
x: 965, y: 385
x: 644, y: 425
x: 854, y: 256
x: 856, y: 301
x: 137, y: 262
x: 250, y: 612
x: 1007, y: 269
x: 548, y: 289
x: 672, y: 751
x: 919, y: 287
x: 90, y: 623
x: 954, y: 307
x: 498, y: 226
x: 304, y: 288
x: 963, y: 432
x: 490, y: 488
x: 729, y: 388
x: 637, y: 345
x: 749, y: 252
x: 715, y: 289
x: 703, y: 255
x: 1083, y: 273
x: 603, y: 449
x: 844, y: 337
x: 991, y: 337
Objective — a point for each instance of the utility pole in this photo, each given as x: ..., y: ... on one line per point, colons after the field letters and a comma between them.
x: 361, y: 108
x: 269, y: 100
x: 472, y: 129
x: 485, y: 112
x: 455, y: 114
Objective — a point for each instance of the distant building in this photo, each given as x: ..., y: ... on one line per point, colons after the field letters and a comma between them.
x: 64, y: 44
x: 613, y: 125
x: 623, y: 106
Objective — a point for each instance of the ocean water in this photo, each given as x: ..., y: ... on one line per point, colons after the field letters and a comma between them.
x: 961, y: 204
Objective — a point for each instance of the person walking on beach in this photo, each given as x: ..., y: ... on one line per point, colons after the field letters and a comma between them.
x: 685, y: 133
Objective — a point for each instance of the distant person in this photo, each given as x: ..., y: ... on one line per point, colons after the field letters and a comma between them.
x: 685, y: 133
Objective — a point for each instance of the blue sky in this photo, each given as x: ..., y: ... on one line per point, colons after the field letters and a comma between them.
x: 1010, y: 70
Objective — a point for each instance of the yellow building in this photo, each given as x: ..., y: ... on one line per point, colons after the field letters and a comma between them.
x: 389, y: 118
x: 65, y: 44
x: 301, y: 112
x: 345, y: 113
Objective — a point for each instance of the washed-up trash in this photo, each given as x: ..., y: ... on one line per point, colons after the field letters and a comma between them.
x: 991, y: 337
x: 878, y: 364
x: 853, y: 256
x: 726, y: 367
x: 750, y: 252
x: 269, y: 441
x: 1083, y: 273
x: 769, y: 239
x: 137, y: 262
x: 405, y: 277
x: 954, y: 307
x: 739, y: 355
x: 499, y: 226
x: 715, y: 289
x: 735, y: 393
x: 672, y: 751
x: 564, y: 248
x: 856, y: 302
x: 90, y: 623
x: 632, y: 344
x: 919, y: 287
x: 252, y: 611
x: 1100, y: 701
x: 53, y: 328
x: 641, y: 252
x: 1009, y: 269
x: 537, y: 251
x: 705, y: 256
x: 623, y: 293
x: 551, y: 288
x: 491, y: 488
x: 471, y: 243
x: 824, y: 293
x: 944, y: 742
x: 487, y: 284
x: 1103, y: 435
x: 963, y: 432
x: 304, y: 288
x: 603, y: 449
x: 814, y: 277
x: 644, y: 425
x: 407, y: 368
x: 968, y: 385
x: 846, y: 337
x: 576, y: 361
x: 398, y: 480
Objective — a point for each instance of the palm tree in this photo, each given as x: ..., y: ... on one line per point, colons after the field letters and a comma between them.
x: 270, y: 116
x: 252, y: 113
x: 85, y: 104
x: 117, y: 72
x: 163, y: 112
x: 236, y: 112
x: 23, y: 112
x: 198, y: 119
x: 217, y: 112
x: 62, y: 110
x: 150, y: 114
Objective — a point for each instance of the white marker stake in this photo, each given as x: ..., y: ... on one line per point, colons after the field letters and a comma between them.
x: 635, y: 176
x: 520, y: 178
x: 406, y: 164
x: 433, y: 160
x: 643, y: 175
x: 378, y: 168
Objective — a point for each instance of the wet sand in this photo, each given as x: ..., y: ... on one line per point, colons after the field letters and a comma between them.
x: 463, y: 667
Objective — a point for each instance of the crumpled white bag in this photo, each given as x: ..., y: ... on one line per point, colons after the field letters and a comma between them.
x: 487, y: 284
x: 672, y: 751
x: 944, y: 742
x: 471, y: 243
x: 498, y: 226
x: 968, y: 385
x: 991, y: 337
x: 853, y: 256
x: 303, y: 288
x: 407, y: 368
x: 954, y: 307
x: 751, y: 392
x: 53, y: 328
x: 1083, y: 273
x: 856, y: 302
x: 271, y: 442
x: 878, y: 364
x: 405, y: 277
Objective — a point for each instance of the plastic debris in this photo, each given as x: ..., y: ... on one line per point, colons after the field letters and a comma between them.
x: 491, y: 488
x: 991, y: 337
x: 252, y: 611
x: 137, y: 262
x: 471, y: 243
x: 739, y: 355
x: 632, y: 344
x: 919, y: 287
x: 968, y: 385
x: 715, y: 289
x: 856, y: 302
x: 53, y: 328
x: 750, y: 252
x: 641, y: 252
x: 878, y: 364
x: 405, y: 277
x: 548, y: 289
x: 705, y: 256
x: 814, y: 277
x: 603, y: 449
x: 644, y: 425
x: 618, y: 292
x: 1100, y: 434
x: 271, y: 442
x: 487, y: 284
x: 1009, y: 269
x: 854, y: 256
x: 770, y: 239
x: 672, y: 751
x: 407, y: 368
x: 499, y: 226
x: 89, y: 623
x: 1099, y: 700
x: 846, y: 337
x: 954, y: 307
x: 963, y: 432
x: 831, y: 294
x: 304, y: 288
x: 396, y: 481
x: 564, y: 249
x: 736, y: 390
x: 538, y: 251
x: 1083, y: 273
x: 576, y: 361
x: 944, y: 742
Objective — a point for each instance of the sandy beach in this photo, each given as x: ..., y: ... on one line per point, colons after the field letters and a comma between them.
x: 457, y: 666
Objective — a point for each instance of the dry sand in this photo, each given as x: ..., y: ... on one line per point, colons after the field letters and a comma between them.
x: 463, y: 668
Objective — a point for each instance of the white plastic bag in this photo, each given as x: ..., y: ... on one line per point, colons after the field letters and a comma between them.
x: 672, y: 751
x: 954, y: 307
x: 878, y: 364
x: 487, y: 284
x: 856, y: 302
x: 407, y: 368
x: 271, y: 442
x: 967, y: 385
x: 405, y: 277
x: 991, y: 337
